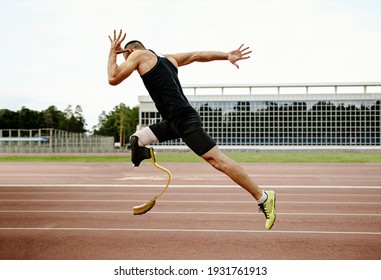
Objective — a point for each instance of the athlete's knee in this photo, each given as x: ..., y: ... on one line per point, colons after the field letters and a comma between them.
x: 217, y: 159
x: 146, y: 137
x: 213, y: 162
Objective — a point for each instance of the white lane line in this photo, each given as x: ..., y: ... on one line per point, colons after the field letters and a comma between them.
x: 188, y: 213
x: 195, y: 230
x: 188, y: 201
x: 244, y: 194
x: 175, y: 186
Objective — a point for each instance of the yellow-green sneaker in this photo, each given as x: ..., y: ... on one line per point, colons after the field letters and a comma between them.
x: 268, y: 208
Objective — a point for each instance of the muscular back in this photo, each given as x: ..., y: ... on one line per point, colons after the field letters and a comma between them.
x: 162, y: 82
x: 147, y: 60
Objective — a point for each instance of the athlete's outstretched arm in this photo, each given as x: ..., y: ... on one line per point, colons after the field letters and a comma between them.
x: 206, y: 56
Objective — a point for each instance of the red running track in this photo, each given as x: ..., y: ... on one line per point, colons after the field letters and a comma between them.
x: 83, y: 211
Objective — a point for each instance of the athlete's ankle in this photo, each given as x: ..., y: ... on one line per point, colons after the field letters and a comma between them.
x: 138, y: 154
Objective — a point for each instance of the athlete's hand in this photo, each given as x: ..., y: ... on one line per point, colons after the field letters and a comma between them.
x: 115, y: 43
x: 238, y: 54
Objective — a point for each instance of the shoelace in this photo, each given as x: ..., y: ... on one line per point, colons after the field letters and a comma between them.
x: 263, y: 210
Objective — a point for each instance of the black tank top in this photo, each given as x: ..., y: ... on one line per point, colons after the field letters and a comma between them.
x: 164, y: 87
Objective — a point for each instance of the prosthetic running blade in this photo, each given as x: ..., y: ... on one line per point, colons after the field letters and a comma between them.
x: 144, y: 208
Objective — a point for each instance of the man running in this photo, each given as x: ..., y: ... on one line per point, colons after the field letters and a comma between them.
x: 180, y: 119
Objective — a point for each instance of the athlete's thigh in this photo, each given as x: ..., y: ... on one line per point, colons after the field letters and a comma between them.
x: 199, y: 141
x: 163, y: 131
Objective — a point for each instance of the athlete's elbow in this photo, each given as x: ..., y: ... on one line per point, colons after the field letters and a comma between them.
x: 113, y: 82
x: 116, y: 79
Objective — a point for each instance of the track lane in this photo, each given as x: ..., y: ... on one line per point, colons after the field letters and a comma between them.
x: 86, y: 213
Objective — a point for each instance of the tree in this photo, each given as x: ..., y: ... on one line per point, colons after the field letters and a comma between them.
x: 8, y: 119
x: 52, y: 117
x: 73, y: 122
x: 120, y: 123
x: 49, y: 118
x: 29, y: 119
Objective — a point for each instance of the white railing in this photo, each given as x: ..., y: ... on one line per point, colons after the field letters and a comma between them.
x: 360, y: 88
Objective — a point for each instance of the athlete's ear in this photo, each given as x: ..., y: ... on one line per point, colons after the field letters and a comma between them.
x: 127, y: 53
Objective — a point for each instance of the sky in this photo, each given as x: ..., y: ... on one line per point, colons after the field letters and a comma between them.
x: 55, y: 52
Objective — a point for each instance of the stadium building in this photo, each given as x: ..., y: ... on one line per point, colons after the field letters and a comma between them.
x: 283, y: 116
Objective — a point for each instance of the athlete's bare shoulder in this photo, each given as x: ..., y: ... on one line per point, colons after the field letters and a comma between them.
x: 146, y: 60
x: 172, y: 59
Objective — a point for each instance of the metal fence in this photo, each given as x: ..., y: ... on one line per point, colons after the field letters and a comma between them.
x: 279, y: 116
x: 52, y: 141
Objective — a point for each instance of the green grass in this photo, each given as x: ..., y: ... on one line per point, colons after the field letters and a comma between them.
x: 259, y: 157
x: 60, y: 158
x: 268, y: 157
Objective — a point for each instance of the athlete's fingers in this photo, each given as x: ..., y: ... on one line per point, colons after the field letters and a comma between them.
x: 123, y: 51
x: 124, y: 36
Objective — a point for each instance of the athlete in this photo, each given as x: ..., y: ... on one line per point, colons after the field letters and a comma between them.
x: 180, y: 120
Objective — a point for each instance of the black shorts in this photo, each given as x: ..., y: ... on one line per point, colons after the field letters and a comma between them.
x: 188, y: 127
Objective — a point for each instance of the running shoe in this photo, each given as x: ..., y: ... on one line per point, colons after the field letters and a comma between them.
x: 268, y: 208
x: 138, y: 154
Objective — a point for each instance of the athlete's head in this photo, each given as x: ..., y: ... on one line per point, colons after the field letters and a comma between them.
x: 133, y: 45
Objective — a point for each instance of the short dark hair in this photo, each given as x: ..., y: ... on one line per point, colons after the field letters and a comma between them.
x: 135, y: 44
